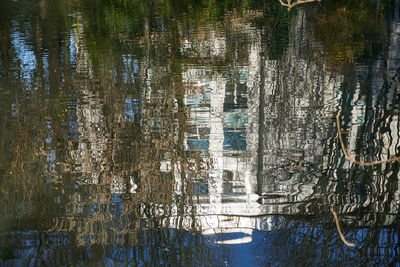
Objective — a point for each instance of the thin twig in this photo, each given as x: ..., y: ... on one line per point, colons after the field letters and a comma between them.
x: 289, y: 3
x: 347, y: 155
x: 340, y: 231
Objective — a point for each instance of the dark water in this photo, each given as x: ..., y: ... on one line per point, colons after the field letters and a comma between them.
x: 198, y: 133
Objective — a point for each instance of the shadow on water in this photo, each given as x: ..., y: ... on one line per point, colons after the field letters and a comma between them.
x: 204, y: 133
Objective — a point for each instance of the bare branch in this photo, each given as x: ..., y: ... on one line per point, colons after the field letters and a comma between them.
x: 340, y: 231
x: 289, y: 4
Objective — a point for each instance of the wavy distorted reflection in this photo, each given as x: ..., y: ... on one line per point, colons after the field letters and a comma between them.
x: 156, y: 134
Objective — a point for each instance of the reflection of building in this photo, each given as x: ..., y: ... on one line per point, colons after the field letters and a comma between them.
x: 224, y: 129
x: 223, y: 126
x: 238, y: 168
x: 228, y: 152
x: 298, y: 106
x: 253, y: 134
x: 284, y: 161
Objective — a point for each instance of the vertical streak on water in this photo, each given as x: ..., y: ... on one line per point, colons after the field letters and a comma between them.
x: 216, y: 139
x: 261, y: 120
x: 178, y: 178
x: 357, y: 119
x: 393, y: 65
x: 392, y: 61
x: 90, y: 154
x: 147, y: 72
x: 23, y: 51
x: 254, y: 92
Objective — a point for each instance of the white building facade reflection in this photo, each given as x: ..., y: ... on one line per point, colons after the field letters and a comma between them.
x: 255, y: 132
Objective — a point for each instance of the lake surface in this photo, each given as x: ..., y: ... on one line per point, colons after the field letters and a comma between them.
x: 199, y: 133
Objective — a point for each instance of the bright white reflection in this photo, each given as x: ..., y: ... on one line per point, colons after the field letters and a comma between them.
x: 221, y: 231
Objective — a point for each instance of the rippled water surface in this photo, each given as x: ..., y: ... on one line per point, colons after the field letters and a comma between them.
x: 198, y: 133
